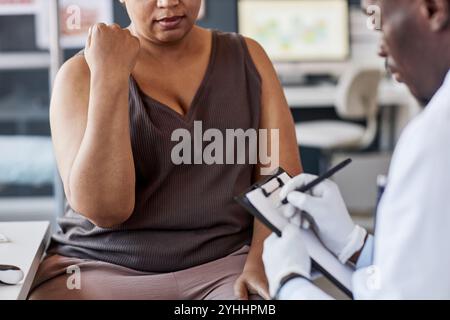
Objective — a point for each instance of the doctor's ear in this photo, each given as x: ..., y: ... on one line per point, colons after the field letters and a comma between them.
x: 437, y: 13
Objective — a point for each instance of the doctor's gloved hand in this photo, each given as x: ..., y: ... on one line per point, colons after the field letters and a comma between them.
x: 285, y: 258
x: 331, y: 221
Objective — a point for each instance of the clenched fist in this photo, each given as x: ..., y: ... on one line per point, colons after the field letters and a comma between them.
x: 111, y: 49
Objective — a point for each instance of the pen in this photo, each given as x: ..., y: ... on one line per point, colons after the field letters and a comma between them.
x: 322, y: 178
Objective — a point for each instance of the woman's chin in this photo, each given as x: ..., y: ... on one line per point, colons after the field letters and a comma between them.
x: 170, y: 36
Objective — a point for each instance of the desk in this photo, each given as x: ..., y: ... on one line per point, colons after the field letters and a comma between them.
x: 26, y: 249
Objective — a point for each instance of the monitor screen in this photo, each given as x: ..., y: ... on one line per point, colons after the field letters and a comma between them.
x: 298, y: 30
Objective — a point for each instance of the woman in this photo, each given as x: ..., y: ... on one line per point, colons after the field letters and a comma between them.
x: 138, y: 226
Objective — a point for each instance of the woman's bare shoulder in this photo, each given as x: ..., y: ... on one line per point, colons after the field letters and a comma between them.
x: 259, y: 56
x: 74, y: 70
x: 72, y: 86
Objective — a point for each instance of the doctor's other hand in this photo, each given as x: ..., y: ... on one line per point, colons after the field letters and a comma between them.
x: 331, y: 221
x: 285, y: 257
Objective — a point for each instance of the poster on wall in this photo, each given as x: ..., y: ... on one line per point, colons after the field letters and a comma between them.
x: 18, y: 7
x: 76, y: 17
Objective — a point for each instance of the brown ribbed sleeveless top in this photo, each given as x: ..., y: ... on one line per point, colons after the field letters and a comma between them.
x: 185, y: 214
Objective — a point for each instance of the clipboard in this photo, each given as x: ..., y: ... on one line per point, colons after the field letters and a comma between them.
x: 262, y: 201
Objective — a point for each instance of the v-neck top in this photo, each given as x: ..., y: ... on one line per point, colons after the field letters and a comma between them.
x: 185, y: 214
x: 186, y: 117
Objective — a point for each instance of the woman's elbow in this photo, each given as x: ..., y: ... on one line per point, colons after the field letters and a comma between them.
x: 104, y: 214
x: 111, y: 221
x: 112, y: 218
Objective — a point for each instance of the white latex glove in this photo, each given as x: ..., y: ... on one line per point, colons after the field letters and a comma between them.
x: 332, y: 222
x: 284, y: 256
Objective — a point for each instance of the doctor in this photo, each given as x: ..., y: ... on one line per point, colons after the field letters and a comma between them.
x: 412, y: 245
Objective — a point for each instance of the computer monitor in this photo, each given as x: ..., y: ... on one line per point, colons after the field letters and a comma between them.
x: 298, y: 30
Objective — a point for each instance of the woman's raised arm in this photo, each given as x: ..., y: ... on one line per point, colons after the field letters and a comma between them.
x: 89, y: 118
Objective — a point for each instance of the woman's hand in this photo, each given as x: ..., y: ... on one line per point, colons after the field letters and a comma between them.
x: 111, y: 49
x: 252, y: 281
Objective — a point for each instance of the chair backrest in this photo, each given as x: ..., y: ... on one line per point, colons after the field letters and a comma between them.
x: 357, y: 93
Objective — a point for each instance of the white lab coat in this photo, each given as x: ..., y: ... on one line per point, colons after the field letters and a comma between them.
x: 412, y: 240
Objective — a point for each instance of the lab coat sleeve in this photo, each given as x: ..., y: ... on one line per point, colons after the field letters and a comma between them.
x: 366, y: 256
x: 412, y: 240
x: 302, y: 289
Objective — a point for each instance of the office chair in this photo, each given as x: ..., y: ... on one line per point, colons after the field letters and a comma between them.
x: 356, y: 100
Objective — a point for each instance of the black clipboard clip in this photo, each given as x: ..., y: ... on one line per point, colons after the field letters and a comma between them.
x: 260, y: 184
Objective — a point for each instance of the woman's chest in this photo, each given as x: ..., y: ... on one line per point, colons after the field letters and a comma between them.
x: 174, y: 87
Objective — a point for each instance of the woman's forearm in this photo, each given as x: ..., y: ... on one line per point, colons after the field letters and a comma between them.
x: 254, y: 259
x: 102, y: 177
